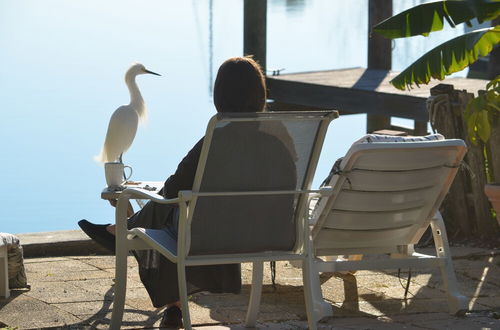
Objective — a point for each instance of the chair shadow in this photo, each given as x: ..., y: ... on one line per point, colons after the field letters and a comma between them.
x: 385, y: 305
x: 279, y: 303
x: 230, y: 309
x: 103, y: 316
x: 475, y: 286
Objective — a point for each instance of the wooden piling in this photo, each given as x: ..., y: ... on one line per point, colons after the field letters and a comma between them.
x: 379, y: 55
x: 420, y: 128
x: 254, y: 30
x: 456, y: 208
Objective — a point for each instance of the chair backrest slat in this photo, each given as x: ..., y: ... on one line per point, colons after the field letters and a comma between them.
x: 400, y: 156
x: 362, y: 239
x: 369, y: 220
x: 367, y: 180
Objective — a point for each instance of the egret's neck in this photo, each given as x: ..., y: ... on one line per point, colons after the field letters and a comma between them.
x: 136, y: 100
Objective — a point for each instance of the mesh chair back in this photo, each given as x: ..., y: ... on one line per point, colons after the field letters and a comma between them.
x: 254, y: 153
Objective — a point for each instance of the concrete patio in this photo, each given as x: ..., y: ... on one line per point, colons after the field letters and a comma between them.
x: 75, y: 292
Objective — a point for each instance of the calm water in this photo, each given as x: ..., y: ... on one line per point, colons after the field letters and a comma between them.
x: 61, y: 77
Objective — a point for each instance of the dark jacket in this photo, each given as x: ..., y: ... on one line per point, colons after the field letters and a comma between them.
x: 256, y: 156
x: 157, y: 273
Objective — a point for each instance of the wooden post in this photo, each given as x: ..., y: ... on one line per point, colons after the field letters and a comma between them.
x: 254, y: 30
x: 466, y: 203
x: 420, y: 128
x: 379, y: 54
x: 456, y: 208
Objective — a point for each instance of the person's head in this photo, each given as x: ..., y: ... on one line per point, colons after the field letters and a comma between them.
x: 240, y: 86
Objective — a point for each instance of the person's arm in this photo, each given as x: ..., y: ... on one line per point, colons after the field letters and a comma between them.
x: 183, y: 177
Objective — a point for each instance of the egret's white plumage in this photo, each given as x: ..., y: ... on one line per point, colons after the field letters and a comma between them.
x: 124, y: 121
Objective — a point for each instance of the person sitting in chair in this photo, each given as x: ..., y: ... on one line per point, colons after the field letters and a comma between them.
x: 239, y: 87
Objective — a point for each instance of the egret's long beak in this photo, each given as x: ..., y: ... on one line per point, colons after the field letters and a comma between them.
x: 151, y: 72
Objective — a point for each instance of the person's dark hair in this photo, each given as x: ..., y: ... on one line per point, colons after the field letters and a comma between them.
x: 240, y: 86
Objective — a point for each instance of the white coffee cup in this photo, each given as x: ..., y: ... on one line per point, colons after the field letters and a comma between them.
x: 114, y: 172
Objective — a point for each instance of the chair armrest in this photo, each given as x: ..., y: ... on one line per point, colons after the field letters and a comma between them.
x: 314, y: 195
x: 139, y: 193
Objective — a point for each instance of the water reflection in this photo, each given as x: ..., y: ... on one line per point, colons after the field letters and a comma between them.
x: 292, y: 7
x: 210, y: 46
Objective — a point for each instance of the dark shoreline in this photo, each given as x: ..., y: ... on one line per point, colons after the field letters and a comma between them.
x: 59, y: 243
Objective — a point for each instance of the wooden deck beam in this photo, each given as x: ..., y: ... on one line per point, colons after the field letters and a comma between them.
x: 359, y: 90
x: 347, y: 99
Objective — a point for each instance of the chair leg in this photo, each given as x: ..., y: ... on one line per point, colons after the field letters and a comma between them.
x: 317, y: 308
x: 181, y: 275
x: 4, y: 272
x: 255, y: 294
x: 120, y: 286
x: 457, y: 303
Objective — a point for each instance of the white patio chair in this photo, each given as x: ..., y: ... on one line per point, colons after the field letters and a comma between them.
x: 383, y: 198
x: 248, y: 202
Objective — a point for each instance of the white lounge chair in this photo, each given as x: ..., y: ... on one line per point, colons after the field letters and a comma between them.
x: 248, y: 202
x: 384, y: 195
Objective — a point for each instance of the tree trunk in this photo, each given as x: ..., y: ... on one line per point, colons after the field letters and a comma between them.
x: 456, y: 207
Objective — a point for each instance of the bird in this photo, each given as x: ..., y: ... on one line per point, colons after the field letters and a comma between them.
x: 124, y: 121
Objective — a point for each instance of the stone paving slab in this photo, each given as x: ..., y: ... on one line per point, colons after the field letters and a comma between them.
x: 76, y: 293
x: 437, y: 321
x: 28, y: 313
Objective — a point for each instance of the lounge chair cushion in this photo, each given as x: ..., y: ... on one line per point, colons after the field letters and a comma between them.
x: 370, y: 138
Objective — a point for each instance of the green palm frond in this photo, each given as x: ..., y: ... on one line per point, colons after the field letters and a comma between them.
x: 429, y: 17
x: 449, y: 57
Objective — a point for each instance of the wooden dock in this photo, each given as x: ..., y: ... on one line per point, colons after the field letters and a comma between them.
x: 358, y: 90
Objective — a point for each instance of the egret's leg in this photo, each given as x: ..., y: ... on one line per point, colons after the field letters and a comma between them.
x: 120, y: 159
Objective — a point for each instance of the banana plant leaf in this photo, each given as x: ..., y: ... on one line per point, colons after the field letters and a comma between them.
x: 481, y: 112
x: 449, y: 57
x: 429, y: 17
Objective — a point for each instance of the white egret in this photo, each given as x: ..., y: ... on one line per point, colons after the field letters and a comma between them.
x: 124, y: 121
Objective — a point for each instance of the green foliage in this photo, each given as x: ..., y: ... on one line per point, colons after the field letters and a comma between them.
x: 449, y: 57
x: 481, y: 112
x: 453, y: 55
x: 429, y: 17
